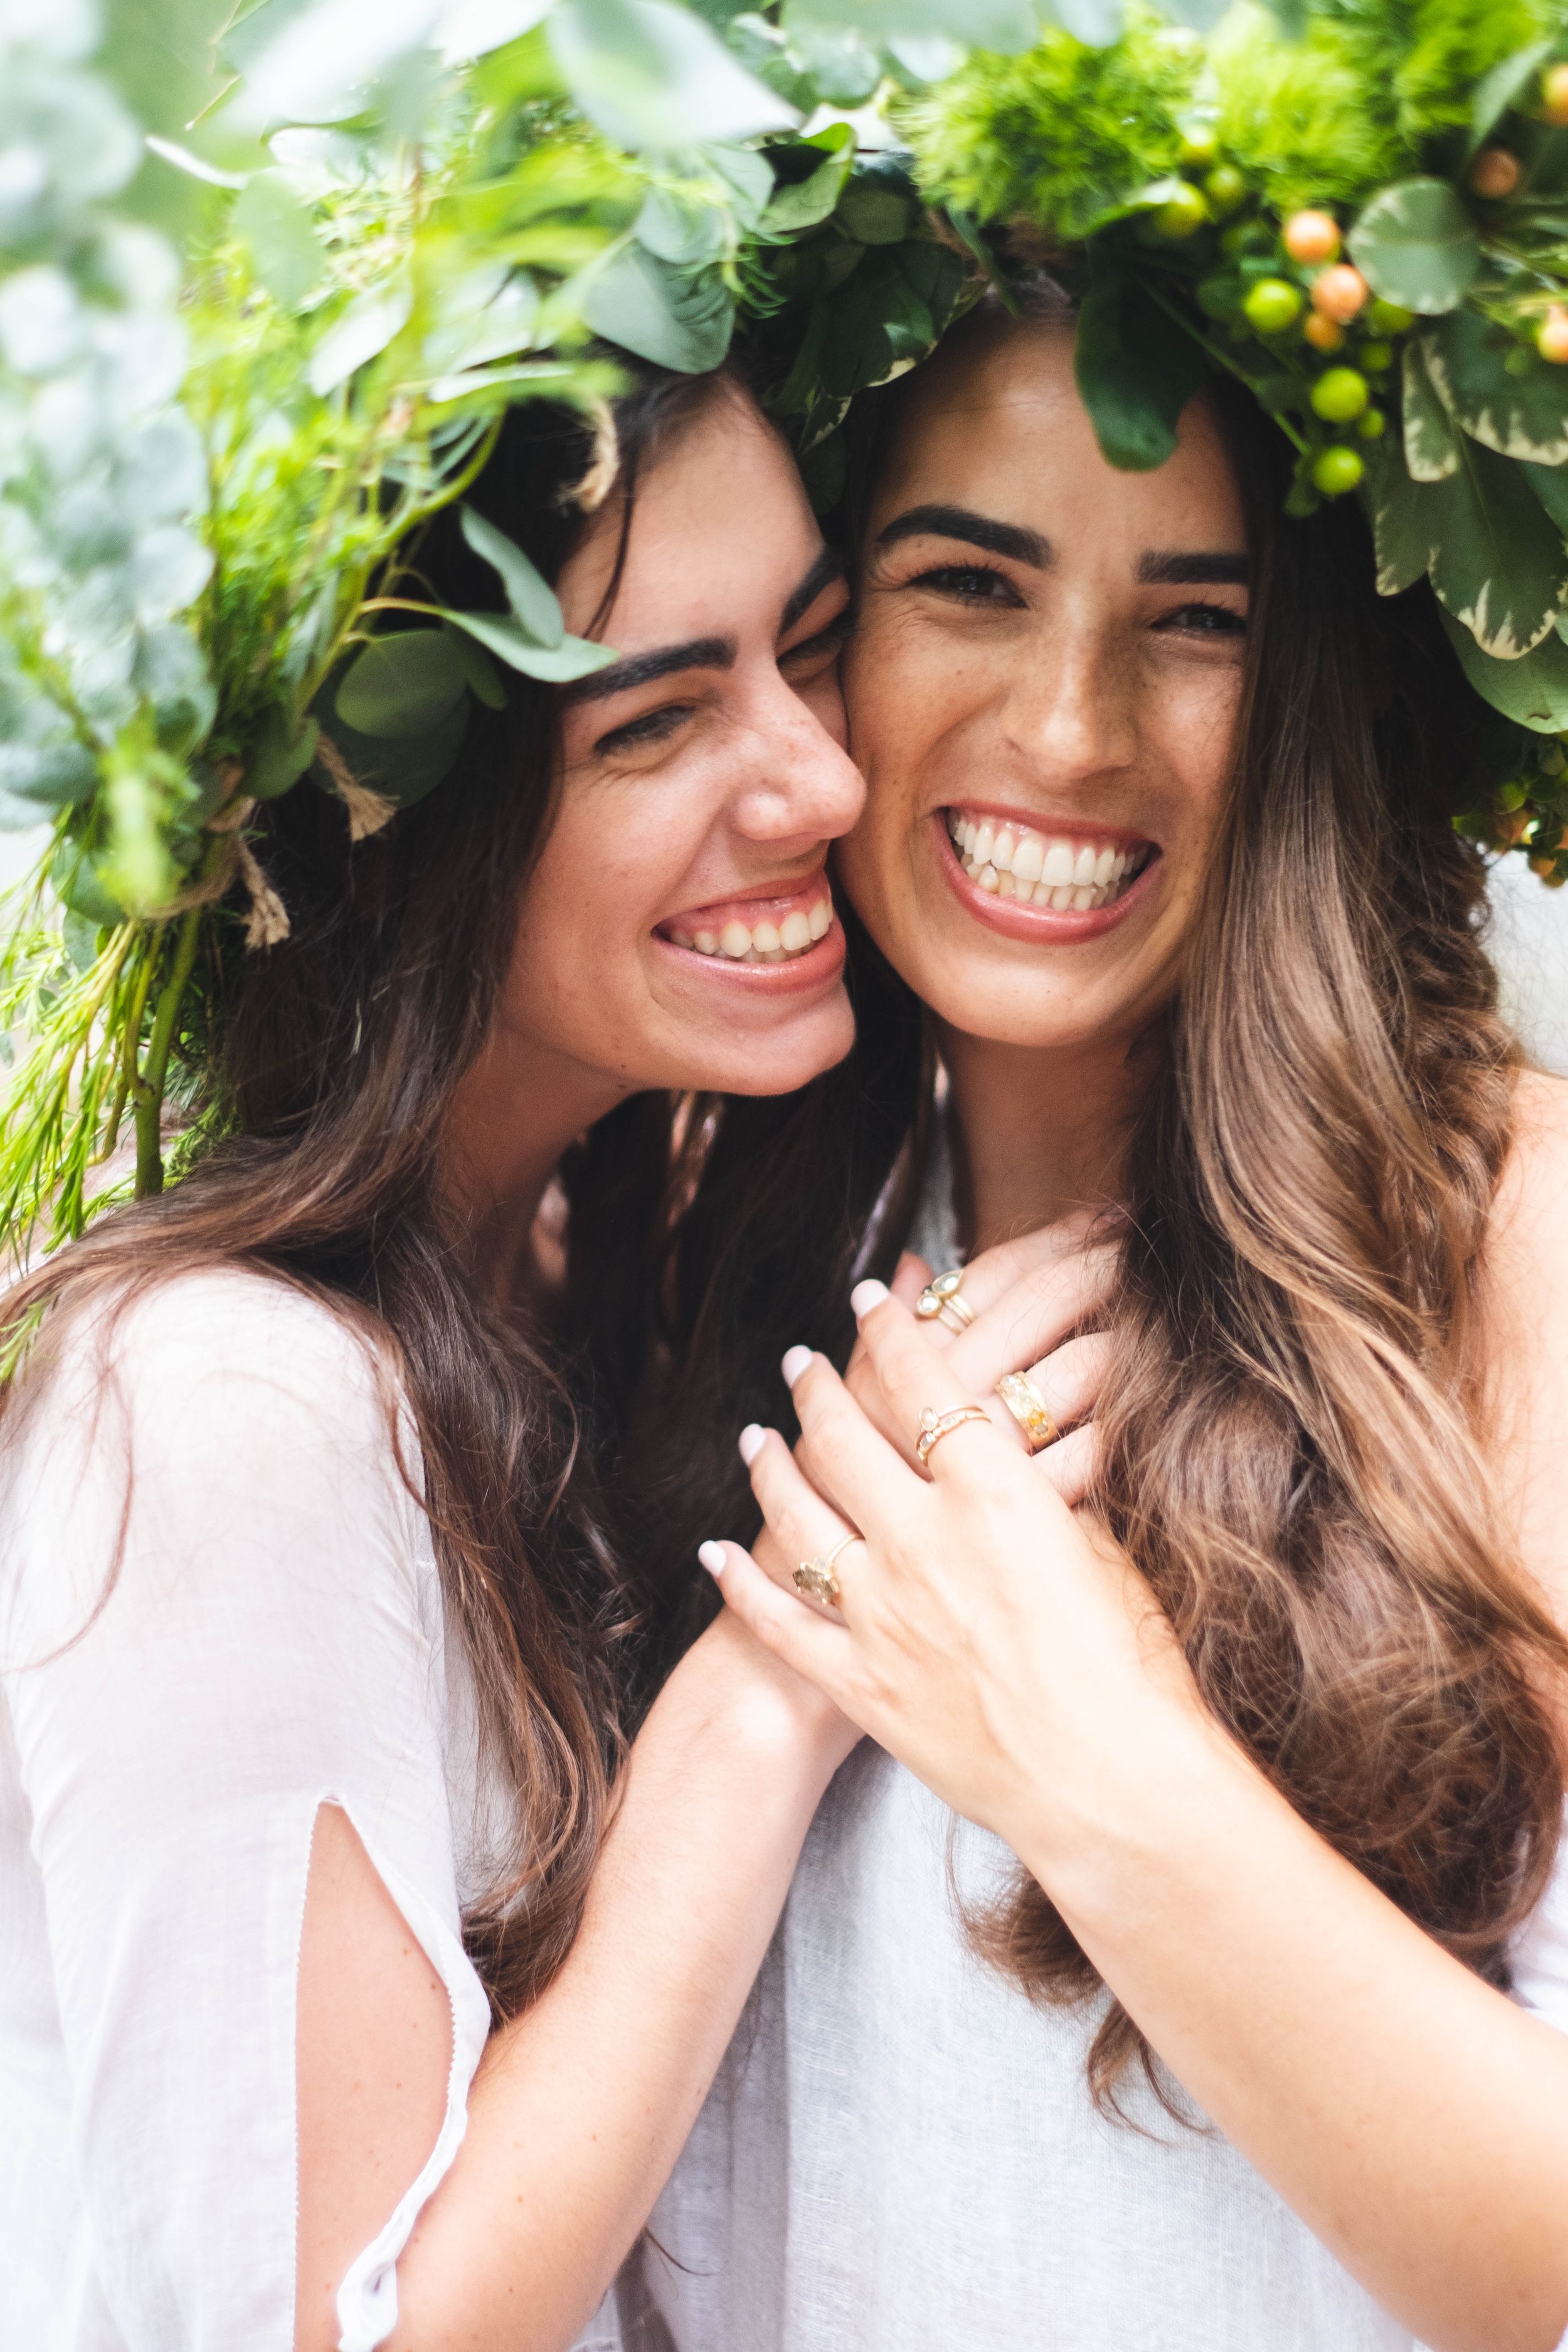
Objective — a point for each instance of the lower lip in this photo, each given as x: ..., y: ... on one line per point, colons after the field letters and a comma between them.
x: 819, y: 965
x: 1041, y: 926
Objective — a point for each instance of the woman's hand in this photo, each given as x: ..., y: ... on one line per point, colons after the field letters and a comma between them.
x: 729, y: 1676
x: 1002, y: 1648
x: 1030, y: 1300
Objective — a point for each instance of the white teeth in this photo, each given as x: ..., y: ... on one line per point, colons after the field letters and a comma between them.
x: 1034, y: 870
x: 764, y: 943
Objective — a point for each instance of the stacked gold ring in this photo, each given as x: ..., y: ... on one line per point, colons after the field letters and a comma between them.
x: 1028, y: 1409
x: 934, y: 1426
x: 815, y: 1578
x: 945, y: 1298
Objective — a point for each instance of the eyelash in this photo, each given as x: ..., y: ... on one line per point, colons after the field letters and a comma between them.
x: 958, y: 581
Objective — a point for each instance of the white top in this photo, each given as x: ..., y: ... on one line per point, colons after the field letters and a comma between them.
x: 273, y: 1642
x: 900, y: 2154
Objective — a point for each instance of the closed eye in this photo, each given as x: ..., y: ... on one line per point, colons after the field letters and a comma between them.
x: 969, y: 584
x: 1204, y: 620
x: 652, y: 727
x: 814, y: 652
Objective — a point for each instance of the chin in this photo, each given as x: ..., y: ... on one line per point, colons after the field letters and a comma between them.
x: 780, y: 1064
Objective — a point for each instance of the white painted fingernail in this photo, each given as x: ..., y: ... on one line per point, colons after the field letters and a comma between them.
x: 794, y: 1363
x: 866, y: 1294
x: 751, y: 1442
x: 711, y: 1555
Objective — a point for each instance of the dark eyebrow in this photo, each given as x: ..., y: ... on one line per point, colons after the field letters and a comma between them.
x: 830, y: 565
x: 642, y: 670
x: 980, y: 530
x: 1172, y: 570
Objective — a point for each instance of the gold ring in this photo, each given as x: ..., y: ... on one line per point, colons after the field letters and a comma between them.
x: 1028, y: 1409
x: 945, y: 1298
x: 935, y: 1426
x: 815, y: 1578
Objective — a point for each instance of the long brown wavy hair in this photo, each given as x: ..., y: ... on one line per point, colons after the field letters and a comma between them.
x: 1293, y: 1434
x: 340, y: 1051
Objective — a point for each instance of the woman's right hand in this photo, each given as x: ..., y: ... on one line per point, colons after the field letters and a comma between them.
x: 1031, y: 1299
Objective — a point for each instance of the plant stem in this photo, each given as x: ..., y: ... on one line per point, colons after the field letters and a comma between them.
x: 154, y: 1069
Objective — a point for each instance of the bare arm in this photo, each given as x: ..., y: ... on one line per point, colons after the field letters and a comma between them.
x: 1415, y: 2119
x: 580, y: 2106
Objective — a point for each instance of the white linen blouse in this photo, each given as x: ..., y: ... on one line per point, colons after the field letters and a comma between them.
x: 271, y: 1641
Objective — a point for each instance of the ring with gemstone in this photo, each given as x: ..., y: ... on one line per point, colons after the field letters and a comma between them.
x: 934, y: 1426
x: 1028, y: 1409
x: 945, y: 1298
x: 815, y: 1578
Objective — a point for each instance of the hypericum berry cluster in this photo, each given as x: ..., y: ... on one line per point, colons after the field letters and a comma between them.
x: 1530, y: 812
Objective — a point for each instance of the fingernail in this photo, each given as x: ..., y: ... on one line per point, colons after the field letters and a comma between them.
x: 751, y: 1441
x: 866, y: 1294
x: 794, y: 1363
x: 711, y: 1555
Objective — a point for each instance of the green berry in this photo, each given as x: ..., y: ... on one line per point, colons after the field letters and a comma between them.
x: 1182, y: 212
x: 1377, y: 356
x: 1226, y: 190
x: 1339, y: 395
x: 1335, y: 471
x: 1372, y: 425
x: 1272, y: 305
x: 1511, y: 796
x: 1200, y: 144
x: 1388, y: 318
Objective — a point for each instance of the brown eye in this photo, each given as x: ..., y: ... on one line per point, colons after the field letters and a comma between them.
x: 969, y: 584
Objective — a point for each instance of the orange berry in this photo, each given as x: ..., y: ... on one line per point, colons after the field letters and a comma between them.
x: 1551, y: 336
x: 1312, y: 236
x: 1554, y: 96
x: 1510, y: 827
x: 1323, y: 333
x: 1495, y: 174
x: 1339, y: 293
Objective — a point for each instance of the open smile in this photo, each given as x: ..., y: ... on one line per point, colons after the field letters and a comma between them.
x: 1042, y: 883
x: 772, y: 929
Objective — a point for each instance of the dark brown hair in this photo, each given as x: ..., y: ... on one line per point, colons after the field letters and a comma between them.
x: 340, y: 1051
x: 1292, y: 1437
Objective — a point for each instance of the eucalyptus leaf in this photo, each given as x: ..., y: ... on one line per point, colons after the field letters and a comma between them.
x: 806, y: 201
x: 1417, y: 245
x: 403, y: 685
x: 403, y: 768
x: 1008, y: 25
x: 1521, y: 416
x: 472, y: 28
x: 654, y: 76
x: 484, y: 679
x: 531, y: 598
x: 76, y: 883
x: 574, y: 657
x: 279, y: 755
x: 289, y: 256
x: 841, y: 62
x: 746, y: 177
x: 320, y: 62
x: 1431, y: 438
x: 1136, y: 367
x: 1531, y: 691
x: 677, y: 320
x: 1500, y: 565
x: 49, y: 776
x: 874, y: 214
x: 679, y: 232
x: 361, y: 335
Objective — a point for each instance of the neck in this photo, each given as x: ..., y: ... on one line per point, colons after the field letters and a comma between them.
x: 1042, y: 1132
x: 513, y: 1116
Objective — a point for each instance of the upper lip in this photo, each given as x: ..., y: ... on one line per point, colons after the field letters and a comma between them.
x: 1061, y: 828
x: 746, y: 894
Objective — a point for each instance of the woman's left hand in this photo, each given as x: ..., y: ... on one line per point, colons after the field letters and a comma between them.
x: 1000, y: 1645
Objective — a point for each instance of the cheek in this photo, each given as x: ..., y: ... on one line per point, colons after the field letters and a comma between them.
x: 1197, y: 724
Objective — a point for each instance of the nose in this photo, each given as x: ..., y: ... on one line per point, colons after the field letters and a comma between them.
x: 795, y: 784
x: 1073, y: 715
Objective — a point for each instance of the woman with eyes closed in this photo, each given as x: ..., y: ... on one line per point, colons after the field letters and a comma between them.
x: 1181, y: 1961
x: 314, y: 1634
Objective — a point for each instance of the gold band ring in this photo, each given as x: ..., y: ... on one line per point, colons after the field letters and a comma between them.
x: 935, y: 1426
x: 815, y: 1578
x: 1028, y: 1409
x: 944, y: 1299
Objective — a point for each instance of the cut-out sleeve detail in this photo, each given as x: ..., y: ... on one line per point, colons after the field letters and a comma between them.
x: 273, y: 1640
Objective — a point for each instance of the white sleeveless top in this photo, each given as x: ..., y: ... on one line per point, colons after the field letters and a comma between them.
x: 900, y: 2154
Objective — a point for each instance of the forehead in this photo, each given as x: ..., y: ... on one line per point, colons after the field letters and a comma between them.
x: 994, y: 423
x: 719, y: 514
